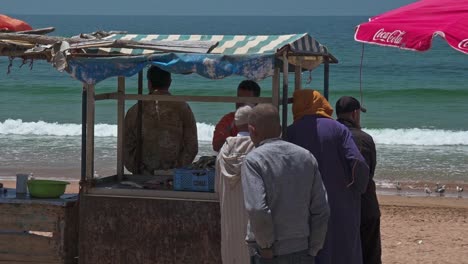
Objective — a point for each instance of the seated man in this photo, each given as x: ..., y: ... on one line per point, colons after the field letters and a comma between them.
x: 226, y: 127
x: 169, y: 131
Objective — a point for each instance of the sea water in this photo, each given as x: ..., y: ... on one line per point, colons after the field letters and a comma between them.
x: 417, y: 102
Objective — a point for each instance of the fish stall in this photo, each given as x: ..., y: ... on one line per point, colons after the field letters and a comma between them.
x: 172, y: 216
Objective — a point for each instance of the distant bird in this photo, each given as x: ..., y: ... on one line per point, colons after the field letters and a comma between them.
x: 440, y: 189
x: 459, y: 191
x: 398, y: 186
x: 427, y: 190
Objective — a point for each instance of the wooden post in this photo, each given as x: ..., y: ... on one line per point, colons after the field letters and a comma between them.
x: 275, y: 87
x: 326, y: 73
x: 285, y: 94
x: 90, y: 131
x: 120, y: 126
x: 139, y: 124
x: 297, y: 77
x: 83, y: 133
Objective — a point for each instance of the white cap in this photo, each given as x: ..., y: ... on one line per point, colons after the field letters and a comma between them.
x: 241, y: 116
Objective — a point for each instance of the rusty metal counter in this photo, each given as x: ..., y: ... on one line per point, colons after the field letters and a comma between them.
x: 129, y: 225
x: 38, y: 230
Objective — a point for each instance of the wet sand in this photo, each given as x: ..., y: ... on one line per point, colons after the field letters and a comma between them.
x: 414, y: 229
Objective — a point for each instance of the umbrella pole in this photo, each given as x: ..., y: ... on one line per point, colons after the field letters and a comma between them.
x: 326, y: 76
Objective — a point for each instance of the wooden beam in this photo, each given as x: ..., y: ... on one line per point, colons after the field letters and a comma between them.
x: 90, y: 114
x: 297, y: 77
x: 37, y: 31
x: 120, y: 126
x: 189, y: 98
x: 106, y: 96
x: 197, y: 46
x: 38, y: 39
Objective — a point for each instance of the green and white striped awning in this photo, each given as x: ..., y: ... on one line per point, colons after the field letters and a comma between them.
x: 211, y: 56
x: 230, y: 44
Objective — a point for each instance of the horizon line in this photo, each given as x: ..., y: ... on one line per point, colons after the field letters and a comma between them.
x: 192, y: 15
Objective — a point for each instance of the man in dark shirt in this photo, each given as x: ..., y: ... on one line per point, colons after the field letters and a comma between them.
x: 348, y: 110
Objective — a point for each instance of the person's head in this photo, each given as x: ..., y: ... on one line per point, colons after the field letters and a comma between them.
x: 310, y: 102
x: 348, y: 107
x: 264, y: 123
x: 158, y: 79
x: 241, y: 118
x: 247, y: 88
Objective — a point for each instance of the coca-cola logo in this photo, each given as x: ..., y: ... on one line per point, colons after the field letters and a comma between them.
x: 394, y: 37
x: 463, y: 44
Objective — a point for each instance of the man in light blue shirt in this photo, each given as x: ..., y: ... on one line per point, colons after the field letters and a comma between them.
x: 283, y: 193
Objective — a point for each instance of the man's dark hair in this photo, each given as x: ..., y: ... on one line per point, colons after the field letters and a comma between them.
x: 250, y: 85
x: 159, y: 78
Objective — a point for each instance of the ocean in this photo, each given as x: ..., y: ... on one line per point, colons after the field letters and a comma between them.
x: 416, y: 102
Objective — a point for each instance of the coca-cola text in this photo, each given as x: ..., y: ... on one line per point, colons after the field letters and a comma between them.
x: 463, y: 44
x: 394, y: 37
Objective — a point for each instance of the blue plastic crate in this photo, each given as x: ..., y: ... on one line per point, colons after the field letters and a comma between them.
x: 194, y: 180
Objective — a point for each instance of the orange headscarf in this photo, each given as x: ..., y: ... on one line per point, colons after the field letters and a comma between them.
x: 310, y: 102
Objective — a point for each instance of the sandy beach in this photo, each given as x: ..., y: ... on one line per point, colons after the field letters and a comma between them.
x: 414, y: 229
x: 424, y: 229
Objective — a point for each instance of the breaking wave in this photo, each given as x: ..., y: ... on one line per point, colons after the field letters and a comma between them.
x: 418, y: 137
x: 385, y: 136
x: 41, y: 128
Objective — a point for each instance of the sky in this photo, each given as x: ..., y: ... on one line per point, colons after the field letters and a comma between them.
x: 202, y: 7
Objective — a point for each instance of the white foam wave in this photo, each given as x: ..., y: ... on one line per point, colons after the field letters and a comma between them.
x: 418, y: 137
x: 386, y: 136
x: 41, y: 128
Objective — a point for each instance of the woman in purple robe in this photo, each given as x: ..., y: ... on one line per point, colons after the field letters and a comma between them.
x: 343, y: 169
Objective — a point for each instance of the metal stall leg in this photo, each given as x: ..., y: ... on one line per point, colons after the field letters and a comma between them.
x: 285, y: 94
x: 83, y: 135
x: 90, y: 107
x: 139, y: 124
x: 120, y: 126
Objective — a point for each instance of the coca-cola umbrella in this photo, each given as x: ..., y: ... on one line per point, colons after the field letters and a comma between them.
x: 414, y: 26
x: 12, y: 24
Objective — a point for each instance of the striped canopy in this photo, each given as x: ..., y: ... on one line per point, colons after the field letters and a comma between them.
x: 230, y: 44
x: 252, y: 57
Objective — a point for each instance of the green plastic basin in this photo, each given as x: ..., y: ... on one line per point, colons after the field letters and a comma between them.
x: 46, y: 188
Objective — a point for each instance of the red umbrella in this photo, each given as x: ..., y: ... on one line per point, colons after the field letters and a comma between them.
x: 413, y: 26
x: 11, y: 24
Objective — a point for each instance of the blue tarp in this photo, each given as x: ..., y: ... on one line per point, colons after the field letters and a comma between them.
x: 212, y: 66
x: 252, y: 57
